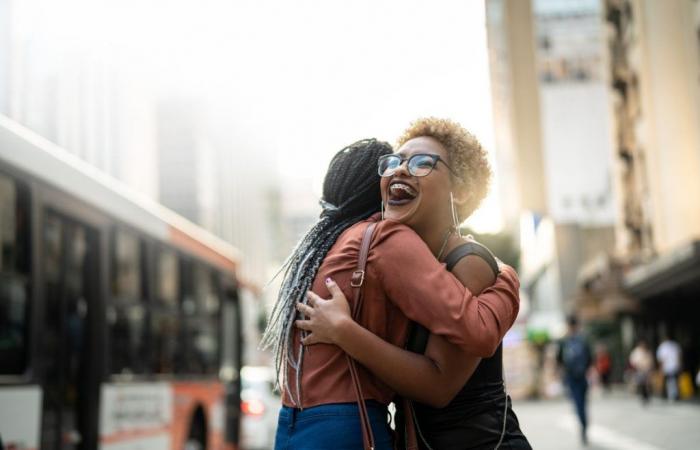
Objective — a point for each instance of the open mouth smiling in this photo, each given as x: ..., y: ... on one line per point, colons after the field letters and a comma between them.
x: 401, y: 193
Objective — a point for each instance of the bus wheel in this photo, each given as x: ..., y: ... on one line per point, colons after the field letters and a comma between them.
x: 197, y: 437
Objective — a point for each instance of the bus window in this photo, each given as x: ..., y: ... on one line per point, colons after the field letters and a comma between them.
x: 164, y: 312
x: 14, y: 276
x: 168, y: 278
x: 201, y: 313
x: 69, y: 331
x: 126, y: 312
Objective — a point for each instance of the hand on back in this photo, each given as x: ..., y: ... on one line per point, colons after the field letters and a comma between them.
x: 324, y: 317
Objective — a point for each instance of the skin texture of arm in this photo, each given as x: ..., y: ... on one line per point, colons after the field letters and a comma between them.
x: 436, y: 377
x: 426, y: 293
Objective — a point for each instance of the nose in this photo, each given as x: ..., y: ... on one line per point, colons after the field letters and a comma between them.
x: 402, y: 168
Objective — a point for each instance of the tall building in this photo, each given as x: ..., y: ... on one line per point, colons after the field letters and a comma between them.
x: 516, y: 104
x: 577, y: 130
x: 181, y: 155
x: 575, y: 116
x: 654, y: 51
x: 554, y: 141
x: 654, y: 54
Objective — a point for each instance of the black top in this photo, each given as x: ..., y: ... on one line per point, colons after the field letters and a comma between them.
x: 471, y: 248
x: 474, y: 418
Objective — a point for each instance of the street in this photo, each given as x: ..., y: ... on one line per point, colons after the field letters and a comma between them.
x: 617, y: 421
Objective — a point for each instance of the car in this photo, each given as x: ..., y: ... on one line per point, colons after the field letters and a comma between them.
x: 260, y: 405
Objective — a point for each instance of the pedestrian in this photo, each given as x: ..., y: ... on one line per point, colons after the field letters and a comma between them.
x: 575, y: 359
x: 320, y: 407
x: 603, y: 365
x: 642, y: 361
x: 669, y: 356
x: 436, y: 419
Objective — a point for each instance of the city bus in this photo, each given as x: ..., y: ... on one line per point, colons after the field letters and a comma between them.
x: 120, y: 325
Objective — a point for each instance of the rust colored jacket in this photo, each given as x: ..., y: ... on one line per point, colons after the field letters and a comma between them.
x: 404, y: 282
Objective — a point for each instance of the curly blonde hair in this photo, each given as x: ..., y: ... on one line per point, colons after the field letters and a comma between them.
x: 466, y: 157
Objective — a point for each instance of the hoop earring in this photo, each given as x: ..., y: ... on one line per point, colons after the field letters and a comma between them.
x: 455, y: 216
x: 382, y: 203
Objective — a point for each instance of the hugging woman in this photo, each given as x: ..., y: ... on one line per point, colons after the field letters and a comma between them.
x: 460, y: 400
x: 404, y: 282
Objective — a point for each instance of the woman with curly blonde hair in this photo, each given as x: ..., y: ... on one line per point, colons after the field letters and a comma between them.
x: 323, y: 407
x: 459, y: 399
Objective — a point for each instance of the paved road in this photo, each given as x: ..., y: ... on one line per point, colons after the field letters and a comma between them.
x: 618, y: 421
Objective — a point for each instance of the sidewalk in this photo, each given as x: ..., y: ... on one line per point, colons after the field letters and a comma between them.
x: 617, y: 421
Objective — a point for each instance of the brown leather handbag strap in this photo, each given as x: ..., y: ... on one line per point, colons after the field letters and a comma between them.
x: 410, y: 438
x: 367, y: 435
x: 357, y: 281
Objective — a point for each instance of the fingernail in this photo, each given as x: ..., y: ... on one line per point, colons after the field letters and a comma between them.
x: 328, y: 280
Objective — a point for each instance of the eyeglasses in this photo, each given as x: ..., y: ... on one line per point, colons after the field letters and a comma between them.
x: 419, y: 165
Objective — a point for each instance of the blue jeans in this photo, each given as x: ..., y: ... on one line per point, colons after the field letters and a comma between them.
x: 333, y: 426
x: 578, y: 389
x: 671, y: 386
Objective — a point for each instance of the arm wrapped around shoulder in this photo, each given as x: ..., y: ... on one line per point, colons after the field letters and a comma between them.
x: 427, y: 293
x: 496, y: 310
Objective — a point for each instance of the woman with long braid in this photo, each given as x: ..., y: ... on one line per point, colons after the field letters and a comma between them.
x: 350, y: 194
x: 403, y: 282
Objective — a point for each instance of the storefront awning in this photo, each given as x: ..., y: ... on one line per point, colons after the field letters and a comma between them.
x: 673, y: 270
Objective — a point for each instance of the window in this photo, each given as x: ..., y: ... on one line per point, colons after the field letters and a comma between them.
x: 168, y: 278
x: 230, y: 332
x: 126, y: 312
x: 164, y: 313
x: 70, y: 260
x: 52, y: 260
x: 205, y: 295
x: 14, y: 276
x: 126, y: 258
x: 201, y: 316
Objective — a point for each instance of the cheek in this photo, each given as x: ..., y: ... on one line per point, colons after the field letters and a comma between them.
x: 435, y: 192
x: 383, y: 186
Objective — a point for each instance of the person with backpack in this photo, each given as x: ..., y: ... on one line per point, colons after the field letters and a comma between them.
x: 575, y: 359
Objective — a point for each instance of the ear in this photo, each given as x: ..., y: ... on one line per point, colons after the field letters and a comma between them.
x: 460, y: 196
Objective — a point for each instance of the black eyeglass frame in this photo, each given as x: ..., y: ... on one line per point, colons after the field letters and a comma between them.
x: 402, y: 159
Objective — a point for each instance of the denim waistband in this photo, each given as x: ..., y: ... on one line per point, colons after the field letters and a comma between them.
x: 333, y: 425
x: 331, y: 409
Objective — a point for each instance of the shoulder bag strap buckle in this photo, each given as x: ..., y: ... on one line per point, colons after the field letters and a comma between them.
x: 358, y: 278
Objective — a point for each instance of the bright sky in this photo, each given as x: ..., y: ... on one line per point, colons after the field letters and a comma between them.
x: 303, y: 78
x: 331, y: 72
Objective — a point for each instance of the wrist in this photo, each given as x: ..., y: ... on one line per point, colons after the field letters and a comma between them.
x: 343, y: 330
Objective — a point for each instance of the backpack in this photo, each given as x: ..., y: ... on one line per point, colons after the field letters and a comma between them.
x: 576, y: 356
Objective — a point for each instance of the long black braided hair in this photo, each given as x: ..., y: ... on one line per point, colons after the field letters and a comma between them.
x: 351, y: 193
